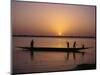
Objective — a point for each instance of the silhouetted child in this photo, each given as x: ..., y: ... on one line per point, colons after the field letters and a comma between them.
x: 32, y: 43
x: 83, y: 46
x: 74, y: 45
x: 67, y: 44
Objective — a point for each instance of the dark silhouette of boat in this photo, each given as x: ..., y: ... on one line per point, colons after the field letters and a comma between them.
x: 53, y: 49
x: 68, y: 49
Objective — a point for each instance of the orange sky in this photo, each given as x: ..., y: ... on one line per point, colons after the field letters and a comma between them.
x: 53, y: 19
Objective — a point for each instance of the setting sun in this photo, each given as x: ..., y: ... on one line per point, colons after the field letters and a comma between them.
x: 59, y: 33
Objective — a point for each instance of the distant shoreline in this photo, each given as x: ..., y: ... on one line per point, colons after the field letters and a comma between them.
x: 53, y: 36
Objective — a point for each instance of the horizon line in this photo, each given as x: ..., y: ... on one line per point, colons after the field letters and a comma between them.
x: 53, y: 36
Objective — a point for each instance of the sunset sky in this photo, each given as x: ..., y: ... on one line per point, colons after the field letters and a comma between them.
x: 29, y: 18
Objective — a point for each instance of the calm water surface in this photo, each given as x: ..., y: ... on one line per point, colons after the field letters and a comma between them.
x: 28, y: 62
